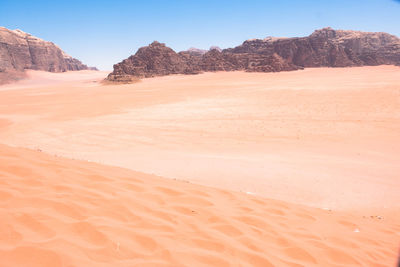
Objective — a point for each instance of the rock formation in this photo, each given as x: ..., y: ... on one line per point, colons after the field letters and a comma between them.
x: 196, y: 51
x: 20, y: 51
x: 323, y: 48
x: 216, y: 48
x: 329, y: 48
x: 153, y: 60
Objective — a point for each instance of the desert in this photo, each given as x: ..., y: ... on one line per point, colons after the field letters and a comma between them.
x: 200, y: 133
x: 261, y: 169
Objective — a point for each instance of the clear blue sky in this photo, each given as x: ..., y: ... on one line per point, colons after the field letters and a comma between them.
x: 101, y: 33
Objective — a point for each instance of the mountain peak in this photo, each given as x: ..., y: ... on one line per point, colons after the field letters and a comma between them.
x: 20, y: 50
x: 156, y: 43
x: 327, y: 32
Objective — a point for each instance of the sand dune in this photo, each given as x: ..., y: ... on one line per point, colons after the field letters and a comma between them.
x: 61, y: 212
x: 278, y: 169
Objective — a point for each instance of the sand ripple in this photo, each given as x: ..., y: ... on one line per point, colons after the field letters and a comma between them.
x: 61, y: 212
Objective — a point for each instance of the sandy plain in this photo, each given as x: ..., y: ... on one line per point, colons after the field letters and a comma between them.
x: 292, y: 168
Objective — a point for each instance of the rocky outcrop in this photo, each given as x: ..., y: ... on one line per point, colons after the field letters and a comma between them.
x: 196, y: 51
x: 153, y: 60
x: 329, y: 48
x: 20, y: 51
x: 323, y: 48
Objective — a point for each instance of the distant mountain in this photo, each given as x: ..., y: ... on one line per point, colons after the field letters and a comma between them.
x: 323, y: 48
x: 196, y: 51
x: 20, y: 51
x: 216, y: 48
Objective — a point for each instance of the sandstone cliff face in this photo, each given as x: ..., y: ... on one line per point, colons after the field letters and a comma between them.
x: 329, y: 48
x: 153, y: 60
x: 20, y: 51
x: 323, y: 48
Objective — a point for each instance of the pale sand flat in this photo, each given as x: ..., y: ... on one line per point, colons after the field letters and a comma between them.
x: 325, y: 137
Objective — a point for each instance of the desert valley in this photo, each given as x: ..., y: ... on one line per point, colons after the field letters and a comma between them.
x: 278, y: 152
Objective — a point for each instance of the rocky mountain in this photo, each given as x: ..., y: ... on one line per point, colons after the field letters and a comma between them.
x: 216, y: 48
x: 196, y: 51
x: 329, y: 48
x: 20, y: 51
x: 323, y: 48
x: 153, y: 60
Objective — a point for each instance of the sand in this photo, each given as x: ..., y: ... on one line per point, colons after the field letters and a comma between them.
x: 61, y: 212
x: 270, y: 168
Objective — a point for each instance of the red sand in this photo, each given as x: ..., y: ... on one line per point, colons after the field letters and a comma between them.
x: 327, y: 138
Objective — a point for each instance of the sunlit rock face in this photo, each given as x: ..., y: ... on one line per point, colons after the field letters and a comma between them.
x: 20, y: 51
x: 323, y: 48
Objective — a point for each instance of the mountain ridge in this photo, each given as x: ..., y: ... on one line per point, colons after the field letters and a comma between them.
x: 323, y: 48
x: 20, y: 51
